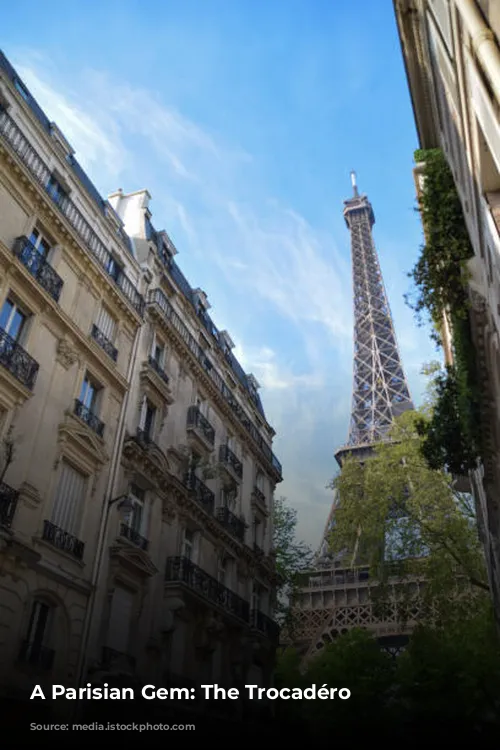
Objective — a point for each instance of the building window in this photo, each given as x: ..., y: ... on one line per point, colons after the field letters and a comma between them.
x: 69, y: 500
x: 36, y: 648
x: 114, y: 268
x: 221, y: 571
x: 19, y: 86
x: 55, y: 190
x: 90, y: 394
x: 147, y: 418
x: 13, y: 319
x: 136, y: 517
x: 228, y: 497
x: 256, y: 597
x: 120, y: 620
x: 158, y: 352
x: 40, y: 243
x: 188, y: 544
x: 259, y: 481
x: 106, y: 324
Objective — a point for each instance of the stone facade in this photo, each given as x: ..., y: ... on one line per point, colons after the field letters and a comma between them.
x: 451, y: 50
x: 138, y: 472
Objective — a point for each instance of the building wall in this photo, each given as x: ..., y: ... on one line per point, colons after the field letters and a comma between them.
x: 115, y: 586
x: 452, y: 57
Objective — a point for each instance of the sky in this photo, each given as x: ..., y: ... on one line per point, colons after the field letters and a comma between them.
x: 243, y: 119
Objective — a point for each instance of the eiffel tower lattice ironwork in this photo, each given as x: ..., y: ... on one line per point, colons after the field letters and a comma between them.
x: 335, y: 596
x: 380, y: 390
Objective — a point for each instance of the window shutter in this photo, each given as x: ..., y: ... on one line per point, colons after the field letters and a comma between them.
x: 70, y: 495
x: 120, y: 619
x: 106, y: 324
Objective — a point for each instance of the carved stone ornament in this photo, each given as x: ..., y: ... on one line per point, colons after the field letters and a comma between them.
x: 66, y: 355
x: 29, y: 495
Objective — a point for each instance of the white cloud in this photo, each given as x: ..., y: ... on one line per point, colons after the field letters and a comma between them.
x: 96, y: 143
x: 259, y: 261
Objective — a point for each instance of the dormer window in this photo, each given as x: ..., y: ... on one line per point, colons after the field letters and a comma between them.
x: 24, y: 93
x: 253, y: 384
x: 226, y: 342
x: 201, y: 301
x: 61, y: 141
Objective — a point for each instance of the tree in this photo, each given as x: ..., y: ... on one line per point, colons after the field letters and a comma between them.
x: 412, y: 521
x: 447, y: 680
x: 292, y: 557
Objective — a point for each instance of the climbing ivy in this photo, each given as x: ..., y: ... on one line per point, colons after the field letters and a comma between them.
x: 453, y: 433
x: 440, y: 276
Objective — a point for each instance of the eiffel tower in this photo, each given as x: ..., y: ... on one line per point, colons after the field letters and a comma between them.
x: 334, y: 599
x: 380, y: 391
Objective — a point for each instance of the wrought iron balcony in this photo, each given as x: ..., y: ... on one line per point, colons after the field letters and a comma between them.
x: 182, y: 570
x: 60, y: 539
x: 231, y: 460
x: 157, y: 298
x: 17, y: 361
x: 232, y: 523
x: 143, y: 437
x: 202, y: 493
x: 264, y: 624
x: 36, y: 655
x: 155, y: 365
x: 8, y: 504
x: 21, y: 146
x: 259, y: 495
x: 38, y: 267
x: 195, y: 419
x: 87, y: 416
x: 133, y: 536
x: 104, y: 343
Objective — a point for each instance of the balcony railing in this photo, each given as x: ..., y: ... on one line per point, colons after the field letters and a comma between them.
x: 232, y: 523
x: 8, y: 504
x: 196, y: 419
x: 133, y: 536
x: 155, y: 365
x: 60, y: 539
x: 17, y: 361
x: 21, y: 146
x: 259, y: 495
x: 258, y: 549
x: 156, y: 297
x: 36, y: 655
x: 88, y: 416
x: 202, y: 493
x: 38, y: 267
x: 104, y: 343
x: 230, y: 459
x: 182, y: 570
x: 264, y: 624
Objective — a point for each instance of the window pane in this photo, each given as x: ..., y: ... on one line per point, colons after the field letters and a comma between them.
x: 5, y: 314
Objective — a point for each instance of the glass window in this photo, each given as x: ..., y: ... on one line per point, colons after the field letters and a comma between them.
x: 12, y: 319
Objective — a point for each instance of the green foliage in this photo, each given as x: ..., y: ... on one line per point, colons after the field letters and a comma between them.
x: 453, y: 433
x: 412, y: 520
x: 439, y: 274
x: 292, y: 557
x: 449, y: 676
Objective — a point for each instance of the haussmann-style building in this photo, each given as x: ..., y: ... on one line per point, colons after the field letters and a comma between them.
x: 137, y: 469
x: 451, y: 51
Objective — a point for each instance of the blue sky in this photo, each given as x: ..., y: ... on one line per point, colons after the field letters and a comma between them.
x: 243, y: 118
